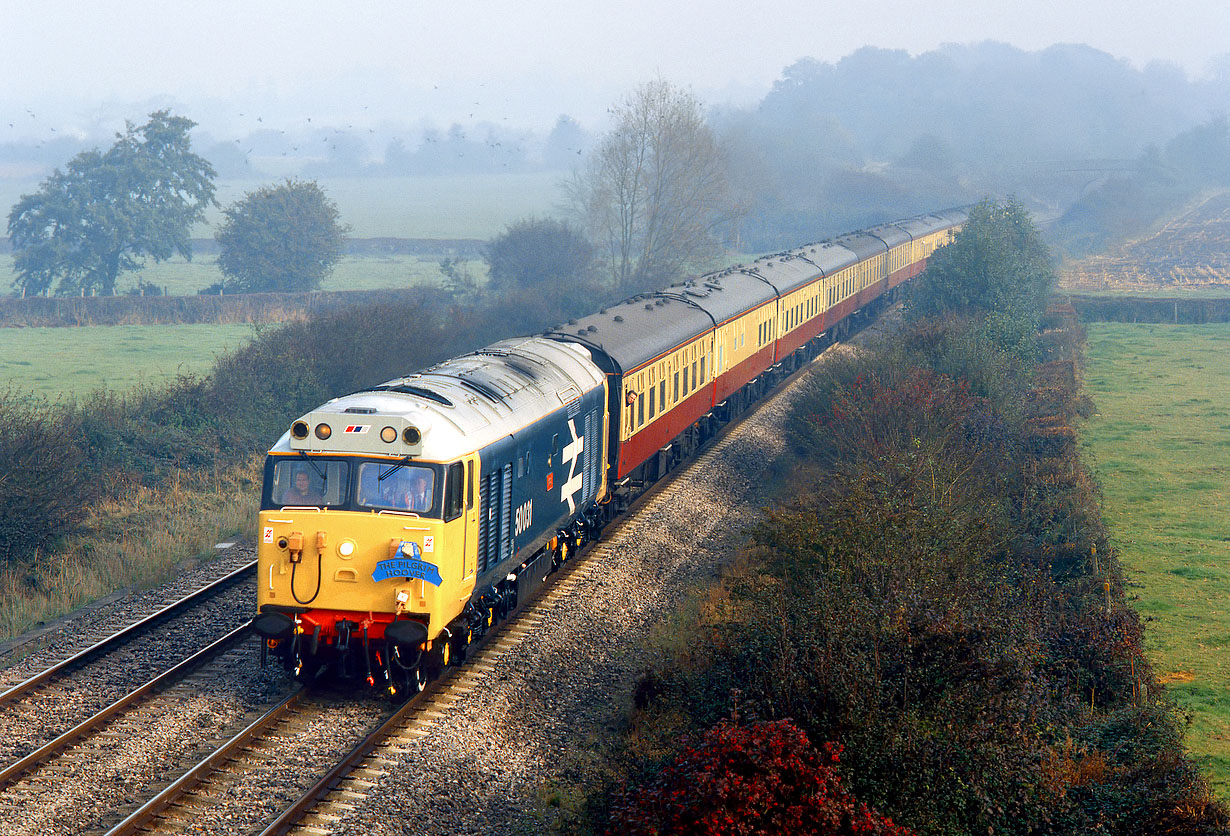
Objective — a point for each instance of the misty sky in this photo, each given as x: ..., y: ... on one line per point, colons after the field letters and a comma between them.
x: 238, y: 65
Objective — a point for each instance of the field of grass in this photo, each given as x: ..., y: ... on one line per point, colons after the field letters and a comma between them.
x: 1160, y: 442
x: 184, y: 278
x: 448, y: 206
x: 58, y: 362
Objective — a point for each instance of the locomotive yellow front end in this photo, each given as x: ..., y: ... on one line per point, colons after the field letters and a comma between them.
x: 362, y: 550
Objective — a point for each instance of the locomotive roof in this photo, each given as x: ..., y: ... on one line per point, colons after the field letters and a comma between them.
x: 636, y: 330
x: 460, y: 405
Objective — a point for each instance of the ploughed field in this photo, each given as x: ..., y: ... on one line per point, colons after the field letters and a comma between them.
x: 1190, y: 253
x: 1160, y: 443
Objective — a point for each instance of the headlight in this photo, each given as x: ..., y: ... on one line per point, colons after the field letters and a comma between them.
x: 411, y: 435
x: 323, y: 431
x: 388, y: 435
x: 299, y: 429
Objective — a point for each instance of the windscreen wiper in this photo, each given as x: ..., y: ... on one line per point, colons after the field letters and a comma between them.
x: 319, y: 470
x: 393, y: 468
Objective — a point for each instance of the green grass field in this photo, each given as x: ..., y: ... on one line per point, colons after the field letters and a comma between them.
x: 448, y: 206
x: 59, y: 362
x: 1160, y: 442
x: 185, y: 278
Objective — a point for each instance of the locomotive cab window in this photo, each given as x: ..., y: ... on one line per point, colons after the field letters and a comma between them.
x: 307, y: 482
x: 398, y: 487
x: 454, y: 491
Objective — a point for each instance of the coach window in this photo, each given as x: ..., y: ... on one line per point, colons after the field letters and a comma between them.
x: 640, y: 412
x: 662, y: 392
x: 702, y: 368
x: 653, y: 391
x: 676, y: 387
x: 454, y: 500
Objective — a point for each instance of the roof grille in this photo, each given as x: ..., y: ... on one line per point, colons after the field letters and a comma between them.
x: 417, y: 391
x: 482, y: 389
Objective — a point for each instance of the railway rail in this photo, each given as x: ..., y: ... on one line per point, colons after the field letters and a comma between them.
x: 348, y: 783
x: 127, y: 634
x: 172, y: 810
x: 358, y: 767
x: 209, y: 784
x: 82, y: 730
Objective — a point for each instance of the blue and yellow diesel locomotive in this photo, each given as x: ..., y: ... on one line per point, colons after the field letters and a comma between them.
x: 399, y: 523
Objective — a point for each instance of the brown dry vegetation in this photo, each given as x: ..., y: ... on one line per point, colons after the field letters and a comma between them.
x: 1190, y: 251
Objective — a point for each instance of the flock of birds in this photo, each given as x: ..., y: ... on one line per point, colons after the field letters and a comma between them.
x: 262, y: 141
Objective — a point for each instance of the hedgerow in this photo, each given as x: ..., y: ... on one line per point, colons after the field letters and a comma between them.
x: 939, y: 597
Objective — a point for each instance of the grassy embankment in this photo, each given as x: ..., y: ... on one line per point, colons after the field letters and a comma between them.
x: 1161, y: 443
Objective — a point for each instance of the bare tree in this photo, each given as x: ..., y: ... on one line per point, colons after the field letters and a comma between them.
x: 655, y: 195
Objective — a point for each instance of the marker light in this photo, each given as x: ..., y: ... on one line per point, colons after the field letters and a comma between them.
x: 345, y: 548
x: 323, y: 431
x: 388, y: 435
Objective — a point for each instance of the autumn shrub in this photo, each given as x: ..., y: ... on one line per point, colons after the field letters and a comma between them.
x: 940, y: 596
x: 761, y: 778
x: 44, y: 487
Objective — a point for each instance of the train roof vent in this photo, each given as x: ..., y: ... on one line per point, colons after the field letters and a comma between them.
x: 649, y: 307
x: 361, y: 410
x: 482, y: 389
x: 593, y: 329
x: 619, y: 318
x: 413, y: 390
x: 517, y: 365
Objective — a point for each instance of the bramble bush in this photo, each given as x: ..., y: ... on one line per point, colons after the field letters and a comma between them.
x: 761, y: 779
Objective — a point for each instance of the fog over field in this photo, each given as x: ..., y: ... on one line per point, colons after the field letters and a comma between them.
x: 831, y: 116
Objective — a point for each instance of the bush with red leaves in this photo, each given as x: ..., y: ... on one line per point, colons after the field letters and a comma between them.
x: 763, y: 778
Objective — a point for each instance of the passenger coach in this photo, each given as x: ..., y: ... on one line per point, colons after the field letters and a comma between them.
x: 399, y: 523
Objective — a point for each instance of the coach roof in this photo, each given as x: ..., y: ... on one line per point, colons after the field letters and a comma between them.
x: 637, y: 330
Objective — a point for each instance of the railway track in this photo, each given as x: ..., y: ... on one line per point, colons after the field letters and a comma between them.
x: 267, y: 779
x: 210, y: 784
x: 74, y: 691
x: 350, y: 781
x: 133, y: 631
